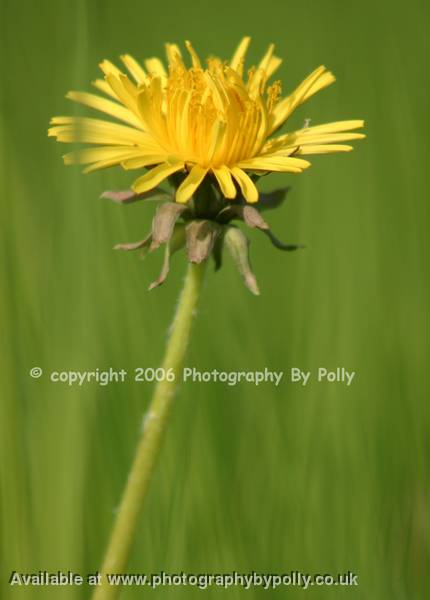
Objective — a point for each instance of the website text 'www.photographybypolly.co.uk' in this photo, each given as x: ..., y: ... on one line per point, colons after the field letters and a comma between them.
x: 200, y: 580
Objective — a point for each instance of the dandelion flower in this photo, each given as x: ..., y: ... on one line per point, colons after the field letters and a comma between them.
x: 203, y: 120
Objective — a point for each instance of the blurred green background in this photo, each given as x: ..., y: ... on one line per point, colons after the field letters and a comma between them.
x: 322, y: 478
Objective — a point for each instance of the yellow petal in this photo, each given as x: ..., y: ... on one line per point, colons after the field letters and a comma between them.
x: 322, y: 82
x: 293, y: 141
x: 106, y: 106
x: 328, y: 138
x: 155, y: 67
x: 261, y: 129
x: 223, y: 176
x: 122, y: 90
x: 134, y: 68
x: 104, y: 87
x: 238, y: 59
x: 336, y: 127
x: 109, y: 68
x: 267, y: 57
x: 182, y: 120
x: 326, y: 133
x: 155, y: 176
x: 129, y: 86
x: 174, y: 55
x: 89, y: 155
x: 216, y: 139
x: 275, y: 163
x: 96, y: 131
x: 143, y: 160
x: 194, y: 57
x: 246, y: 184
x: 190, y: 184
x: 323, y: 149
x: 261, y: 75
x: 149, y: 107
x: 274, y: 64
x: 217, y: 95
x: 317, y: 80
x: 103, y: 164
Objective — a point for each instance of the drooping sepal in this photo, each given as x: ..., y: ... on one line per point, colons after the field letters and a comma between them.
x: 129, y: 196
x: 250, y: 216
x: 142, y: 244
x: 271, y: 200
x: 238, y: 245
x: 164, y: 222
x: 253, y: 219
x: 280, y: 245
x: 201, y: 237
x: 175, y: 243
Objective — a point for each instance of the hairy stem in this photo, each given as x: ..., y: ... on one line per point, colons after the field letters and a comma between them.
x: 148, y: 449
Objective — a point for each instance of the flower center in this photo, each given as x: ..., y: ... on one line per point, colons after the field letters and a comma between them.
x: 206, y: 116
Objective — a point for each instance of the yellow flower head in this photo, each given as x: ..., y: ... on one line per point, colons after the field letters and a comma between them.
x: 200, y: 120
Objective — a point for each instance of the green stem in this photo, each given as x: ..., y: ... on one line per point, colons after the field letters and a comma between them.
x: 148, y: 449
